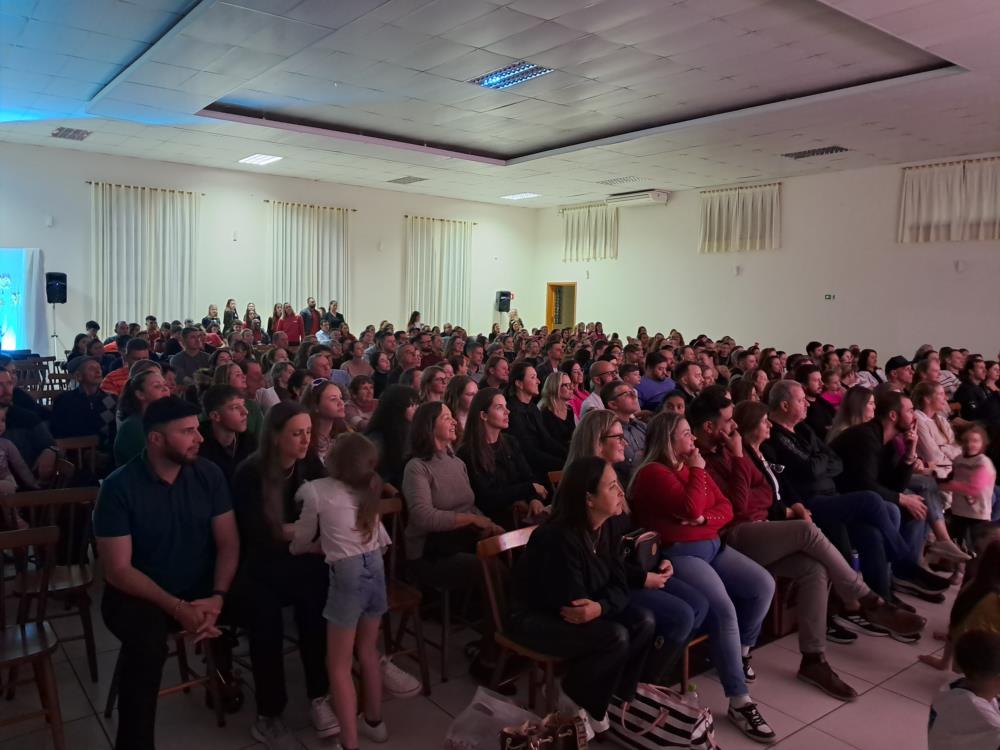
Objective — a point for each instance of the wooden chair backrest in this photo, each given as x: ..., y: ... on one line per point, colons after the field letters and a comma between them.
x: 70, y: 510
x: 39, y: 545
x: 496, y: 556
x: 81, y: 450
x: 391, y: 512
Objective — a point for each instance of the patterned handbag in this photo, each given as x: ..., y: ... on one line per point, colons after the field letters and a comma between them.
x: 556, y: 732
x: 659, y: 718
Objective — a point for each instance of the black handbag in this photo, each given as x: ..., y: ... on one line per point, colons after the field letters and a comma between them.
x: 641, y: 549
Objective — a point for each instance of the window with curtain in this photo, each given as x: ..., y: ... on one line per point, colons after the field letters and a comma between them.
x: 142, y: 245
x: 590, y: 232
x: 309, y: 254
x: 741, y: 219
x: 950, y: 202
x: 437, y: 259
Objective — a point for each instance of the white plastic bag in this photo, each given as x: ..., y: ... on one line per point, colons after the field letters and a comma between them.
x: 478, y: 726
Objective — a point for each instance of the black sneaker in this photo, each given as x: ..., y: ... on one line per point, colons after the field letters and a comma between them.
x: 837, y: 634
x: 897, y: 602
x: 920, y: 581
x: 748, y: 674
x: 905, y: 638
x: 932, y: 597
x: 857, y: 623
x: 749, y: 721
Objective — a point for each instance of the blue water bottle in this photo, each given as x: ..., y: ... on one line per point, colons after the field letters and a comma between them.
x: 855, y: 561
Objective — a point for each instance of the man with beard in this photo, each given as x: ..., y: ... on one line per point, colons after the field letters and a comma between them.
x: 169, y: 547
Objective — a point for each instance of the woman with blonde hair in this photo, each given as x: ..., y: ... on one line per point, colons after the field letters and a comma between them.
x: 857, y: 407
x: 557, y: 414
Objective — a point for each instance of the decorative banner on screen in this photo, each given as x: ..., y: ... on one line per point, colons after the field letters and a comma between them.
x: 22, y: 312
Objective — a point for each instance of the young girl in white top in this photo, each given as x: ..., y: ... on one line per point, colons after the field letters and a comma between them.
x: 972, y: 485
x: 342, y: 510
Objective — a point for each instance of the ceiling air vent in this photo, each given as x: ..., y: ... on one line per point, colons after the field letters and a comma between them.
x: 618, y: 181
x: 408, y: 180
x: 71, y: 134
x: 810, y: 152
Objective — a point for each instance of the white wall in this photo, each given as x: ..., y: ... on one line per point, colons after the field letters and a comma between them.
x: 838, y: 237
x: 36, y: 182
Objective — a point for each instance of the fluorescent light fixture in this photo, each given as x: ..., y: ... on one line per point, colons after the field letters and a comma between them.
x: 260, y: 160
x: 520, y: 196
x: 510, y: 76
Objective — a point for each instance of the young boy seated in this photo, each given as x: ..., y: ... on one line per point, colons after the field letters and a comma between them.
x: 965, y: 715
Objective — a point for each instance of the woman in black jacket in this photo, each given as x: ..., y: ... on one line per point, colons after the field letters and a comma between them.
x: 500, y: 475
x: 544, y: 453
x: 573, y: 599
x: 389, y: 429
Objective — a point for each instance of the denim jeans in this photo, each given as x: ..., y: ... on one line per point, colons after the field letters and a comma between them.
x: 739, y: 593
x: 678, y: 608
x: 927, y: 488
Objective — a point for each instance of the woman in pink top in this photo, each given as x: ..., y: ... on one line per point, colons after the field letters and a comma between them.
x: 291, y: 324
x: 575, y: 372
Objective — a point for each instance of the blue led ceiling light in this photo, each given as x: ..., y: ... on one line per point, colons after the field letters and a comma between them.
x: 510, y: 76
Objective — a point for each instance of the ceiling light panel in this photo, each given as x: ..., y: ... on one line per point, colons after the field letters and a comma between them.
x: 260, y: 160
x: 510, y: 76
x: 520, y: 196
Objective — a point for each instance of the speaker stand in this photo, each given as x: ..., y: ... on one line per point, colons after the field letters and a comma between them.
x: 57, y: 343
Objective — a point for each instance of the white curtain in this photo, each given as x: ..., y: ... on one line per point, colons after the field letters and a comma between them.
x: 142, y: 243
x: 309, y: 254
x: 950, y: 202
x: 740, y: 219
x: 590, y: 232
x: 437, y: 259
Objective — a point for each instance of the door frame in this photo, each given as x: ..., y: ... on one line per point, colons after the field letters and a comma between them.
x: 550, y: 301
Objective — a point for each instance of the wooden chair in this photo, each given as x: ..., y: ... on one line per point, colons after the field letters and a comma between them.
x: 686, y: 661
x: 211, y: 678
x: 71, y: 576
x: 45, y: 396
x: 31, y: 374
x: 404, y: 600
x: 30, y: 640
x: 82, y: 451
x: 60, y: 381
x: 496, y: 573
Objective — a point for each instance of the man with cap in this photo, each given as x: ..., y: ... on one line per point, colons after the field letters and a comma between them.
x: 899, y: 374
x: 86, y: 409
x: 168, y: 543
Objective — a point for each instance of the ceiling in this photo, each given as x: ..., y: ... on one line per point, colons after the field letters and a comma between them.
x: 646, y: 93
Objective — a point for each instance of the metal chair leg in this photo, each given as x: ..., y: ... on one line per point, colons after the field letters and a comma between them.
x: 445, y: 631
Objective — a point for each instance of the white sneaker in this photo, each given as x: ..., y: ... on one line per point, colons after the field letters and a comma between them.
x: 601, y: 726
x: 398, y: 682
x: 377, y: 733
x: 323, y: 718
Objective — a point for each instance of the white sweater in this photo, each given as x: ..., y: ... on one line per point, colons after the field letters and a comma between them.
x: 936, y: 443
x: 972, y: 487
x: 331, y: 507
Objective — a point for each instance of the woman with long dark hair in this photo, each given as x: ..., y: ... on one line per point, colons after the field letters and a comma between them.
x: 325, y: 402
x: 271, y: 578
x: 501, y: 478
x: 573, y: 598
x: 869, y: 374
x: 389, y: 429
x: 458, y: 397
x: 544, y: 453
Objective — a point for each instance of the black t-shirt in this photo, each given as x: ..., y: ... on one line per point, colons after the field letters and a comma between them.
x: 170, y: 524
x: 227, y: 459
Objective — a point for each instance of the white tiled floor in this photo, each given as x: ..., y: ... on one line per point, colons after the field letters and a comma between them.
x: 890, y: 713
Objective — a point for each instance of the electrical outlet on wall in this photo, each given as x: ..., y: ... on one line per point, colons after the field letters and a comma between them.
x: 829, y: 297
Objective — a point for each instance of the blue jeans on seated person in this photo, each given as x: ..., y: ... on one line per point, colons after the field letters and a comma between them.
x: 739, y: 593
x: 678, y: 608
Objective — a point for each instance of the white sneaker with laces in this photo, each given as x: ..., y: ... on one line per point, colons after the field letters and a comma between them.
x: 398, y: 682
x: 378, y: 733
x: 601, y: 726
x: 323, y: 718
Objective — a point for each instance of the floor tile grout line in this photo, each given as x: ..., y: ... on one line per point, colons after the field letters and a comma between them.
x: 86, y: 695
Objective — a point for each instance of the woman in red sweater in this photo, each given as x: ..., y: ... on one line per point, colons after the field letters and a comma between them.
x: 291, y: 323
x: 673, y: 495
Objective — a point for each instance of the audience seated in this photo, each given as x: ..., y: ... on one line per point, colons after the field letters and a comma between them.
x: 496, y: 373
x: 689, y: 380
x: 227, y: 441
x: 783, y: 538
x: 191, y: 358
x: 554, y: 404
x: 272, y: 578
x: 656, y: 382
x: 114, y: 381
x: 235, y: 376
x: 362, y: 404
x: 601, y: 373
x: 169, y: 550
x: 389, y: 429
x: 501, y: 478
x: 458, y: 398
x: 622, y: 401
x: 86, y: 409
x: 820, y: 413
x: 140, y: 391
x: 869, y: 374
x: 433, y: 383
x: 573, y: 598
x: 673, y: 495
x: 543, y: 452
x: 899, y: 374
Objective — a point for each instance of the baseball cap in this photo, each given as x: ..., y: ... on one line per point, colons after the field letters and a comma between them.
x: 896, y: 363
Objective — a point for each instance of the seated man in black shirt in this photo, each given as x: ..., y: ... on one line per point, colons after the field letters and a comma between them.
x: 227, y: 441
x: 86, y: 410
x: 28, y: 432
x: 168, y: 543
x: 974, y: 400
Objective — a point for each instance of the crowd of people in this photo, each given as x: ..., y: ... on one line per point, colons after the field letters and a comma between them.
x: 244, y: 461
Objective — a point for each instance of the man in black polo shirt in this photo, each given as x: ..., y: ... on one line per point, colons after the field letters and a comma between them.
x: 167, y: 539
x: 227, y: 441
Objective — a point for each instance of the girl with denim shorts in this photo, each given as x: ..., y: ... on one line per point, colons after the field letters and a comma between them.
x: 340, y: 515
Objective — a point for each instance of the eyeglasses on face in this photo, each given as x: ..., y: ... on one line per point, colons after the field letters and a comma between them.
x: 620, y: 436
x: 320, y: 381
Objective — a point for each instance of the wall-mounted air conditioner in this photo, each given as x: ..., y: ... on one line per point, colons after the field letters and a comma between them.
x: 640, y: 198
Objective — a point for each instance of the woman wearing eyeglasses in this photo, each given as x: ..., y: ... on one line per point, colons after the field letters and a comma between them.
x: 500, y: 475
x: 557, y: 414
x: 678, y: 608
x: 433, y: 384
